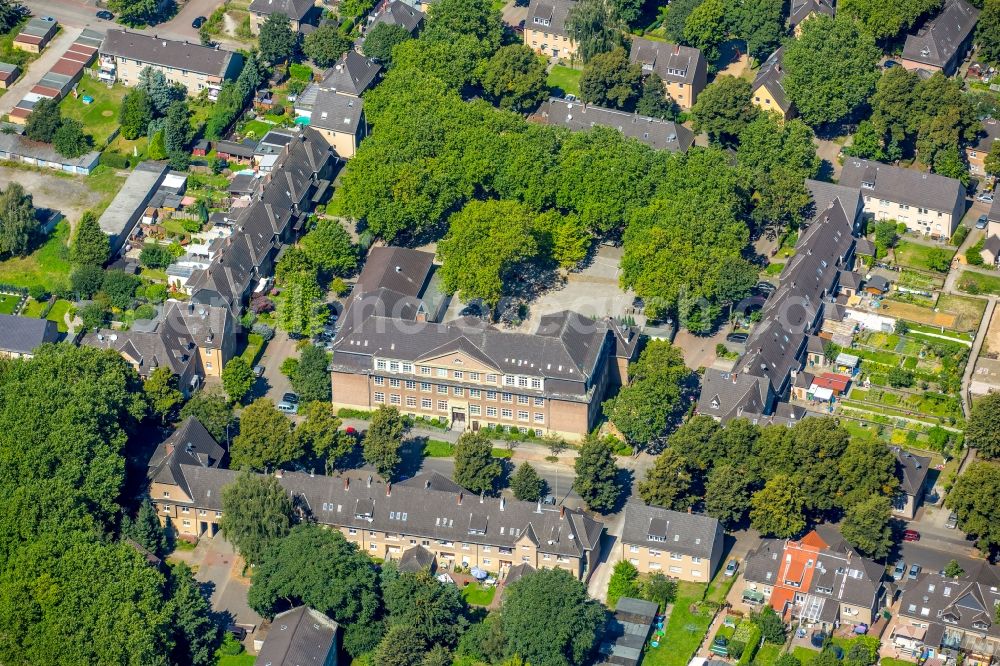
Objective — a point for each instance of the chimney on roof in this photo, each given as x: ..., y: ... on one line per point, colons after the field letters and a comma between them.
x: 427, y: 484
x: 734, y: 377
x: 369, y: 480
x: 170, y: 449
x: 347, y: 483
x: 562, y: 512
x: 503, y: 504
x: 677, y: 49
x: 388, y: 490
x: 459, y: 499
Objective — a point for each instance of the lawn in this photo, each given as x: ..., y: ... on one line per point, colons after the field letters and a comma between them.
x: 253, y: 350
x: 435, y: 448
x: 922, y: 257
x: 256, y: 129
x: 477, y: 595
x: 104, y: 180
x: 684, y: 631
x: 237, y: 660
x: 767, y: 654
x: 99, y: 118
x: 564, y: 79
x: 977, y: 283
x: 58, y: 314
x: 969, y: 311
x: 719, y: 587
x: 47, y: 267
x: 804, y: 655
x: 8, y: 302
x: 774, y: 268
x: 888, y: 661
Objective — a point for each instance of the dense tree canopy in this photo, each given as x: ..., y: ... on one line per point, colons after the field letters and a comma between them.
x: 90, y: 246
x: 668, y: 482
x: 514, y: 78
x: 610, y: 80
x: 256, y: 512
x: 325, y: 45
x: 475, y: 466
x: 213, y: 411
x: 777, y: 509
x: 596, y: 478
x: 831, y: 69
x: 887, y: 19
x: 266, y: 440
x: 983, y: 429
x: 383, y: 439
x: 311, y: 379
x: 595, y: 27
x: 277, y: 40
x: 988, y: 32
x: 974, y: 497
x: 381, y: 40
x: 723, y: 109
x: 18, y: 225
x: 866, y: 526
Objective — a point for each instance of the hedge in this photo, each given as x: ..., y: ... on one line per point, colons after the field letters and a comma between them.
x: 749, y: 633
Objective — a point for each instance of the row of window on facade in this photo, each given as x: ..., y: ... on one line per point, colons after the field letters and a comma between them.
x: 656, y: 566
x: 886, y: 202
x: 656, y: 553
x: 491, y: 378
x: 474, y: 410
x: 186, y: 510
x: 451, y: 544
x: 457, y: 391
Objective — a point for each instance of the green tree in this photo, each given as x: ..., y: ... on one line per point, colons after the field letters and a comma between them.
x: 177, y: 130
x: 311, y: 379
x: 992, y: 161
x: 382, y: 39
x: 317, y: 567
x: 988, y: 32
x: 974, y: 499
x: 564, y: 238
x: 659, y: 589
x: 157, y: 146
x: 135, y: 114
x: 320, y: 436
x: 300, y: 308
x: 90, y: 246
x: 651, y: 401
x: 161, y: 92
x: 277, y: 40
x: 724, y: 109
x: 44, y: 121
x: 514, y: 78
x: 760, y: 23
x: 727, y: 494
x: 161, y: 390
x: 595, y: 27
x: 196, y: 636
x: 624, y: 582
x: 948, y: 162
x: 256, y: 512
x: 654, y: 100
x: 549, y: 619
x: 85, y: 281
x: 93, y: 316
x: 382, y: 441
x: 597, y: 475
x: 887, y: 20
x: 867, y: 469
x: 212, y: 410
x: 486, y: 242
x: 867, y: 143
x: 400, y: 647
x: 706, y: 27
x: 954, y: 569
x: 430, y: 610
x: 69, y: 140
x: 120, y: 288
x: 866, y: 526
x: 772, y: 627
x: 831, y: 69
x: 983, y: 428
x: 18, y: 225
x: 237, y: 378
x: 610, y: 80
x: 668, y: 482
x: 145, y: 529
x: 677, y: 14
x: 328, y: 246
x: 526, y: 485
x: 475, y: 467
x: 136, y: 13
x: 266, y: 440
x: 325, y: 45
x: 155, y: 256
x: 777, y: 509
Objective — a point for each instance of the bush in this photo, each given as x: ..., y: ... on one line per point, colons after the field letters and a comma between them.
x: 278, y: 110
x: 899, y: 378
x: 219, y: 165
x: 145, y: 311
x: 156, y: 293
x: 155, y: 256
x: 114, y: 160
x: 38, y: 292
x: 191, y: 226
x: 264, y: 331
x: 960, y: 235
x: 289, y: 366
x: 339, y: 287
x: 300, y: 72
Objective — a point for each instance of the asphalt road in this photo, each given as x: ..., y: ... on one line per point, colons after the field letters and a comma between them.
x: 81, y: 14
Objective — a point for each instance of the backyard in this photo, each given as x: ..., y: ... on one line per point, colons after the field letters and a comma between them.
x: 564, y: 79
x: 923, y: 257
x: 477, y: 595
x: 100, y: 117
x: 8, y: 302
x: 56, y: 314
x: 689, y: 620
x: 47, y: 267
x: 978, y: 283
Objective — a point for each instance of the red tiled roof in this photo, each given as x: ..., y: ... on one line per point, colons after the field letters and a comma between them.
x: 833, y: 381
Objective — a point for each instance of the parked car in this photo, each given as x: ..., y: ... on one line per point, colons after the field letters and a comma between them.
x: 911, y: 535
x: 258, y: 370
x: 198, y: 22
x: 915, y: 570
x: 765, y: 288
x: 738, y: 338
x: 238, y: 632
x: 899, y: 570
x: 985, y: 197
x: 952, y: 521
x: 731, y: 568
x: 287, y: 407
x: 889, y: 64
x: 105, y: 15
x: 291, y: 398
x: 982, y: 222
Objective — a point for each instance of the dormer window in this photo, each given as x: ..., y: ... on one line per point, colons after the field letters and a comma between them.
x: 541, y: 21
x: 867, y: 185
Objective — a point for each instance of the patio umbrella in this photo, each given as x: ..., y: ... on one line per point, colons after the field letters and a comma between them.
x: 478, y: 573
x: 861, y: 629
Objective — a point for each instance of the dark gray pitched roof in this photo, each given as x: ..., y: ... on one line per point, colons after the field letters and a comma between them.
x: 293, y: 9
x: 400, y: 13
x: 992, y: 244
x: 654, y: 132
x: 352, y: 75
x: 912, y: 470
x: 672, y: 62
x: 675, y: 531
x: 298, y: 637
x: 549, y: 16
x: 336, y: 112
x: 801, y: 9
x: 908, y: 186
x: 21, y: 335
x: 967, y: 602
x: 416, y: 559
x: 167, y: 52
x: 727, y: 395
x: 938, y: 40
x: 189, y: 444
x: 770, y: 76
x: 516, y: 572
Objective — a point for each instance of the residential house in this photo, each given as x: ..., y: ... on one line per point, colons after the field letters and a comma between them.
x: 8, y: 74
x: 580, y: 117
x: 124, y: 55
x: 300, y: 636
x: 119, y: 220
x: 991, y: 251
x: 977, y: 152
x: 926, y: 203
x: 684, y: 546
x: 819, y: 580
x: 398, y: 13
x: 393, y: 349
x: 803, y: 10
x: 993, y: 218
x: 429, y: 510
x: 943, y: 40
x: 340, y: 119
x: 682, y: 68
x: 189, y: 444
x: 627, y: 631
x: 791, y: 316
x: 912, y: 472
x: 20, y: 336
x: 36, y: 34
x: 298, y: 12
x: 545, y: 28
x: 768, y: 88
x: 352, y: 75
x: 193, y: 341
x: 941, y: 616
x: 286, y: 194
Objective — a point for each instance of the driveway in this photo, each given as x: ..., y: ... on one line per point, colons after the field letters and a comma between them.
x: 39, y: 68
x: 219, y: 569
x: 274, y: 384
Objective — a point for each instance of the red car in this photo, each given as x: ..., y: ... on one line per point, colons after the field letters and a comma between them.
x: 911, y: 535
